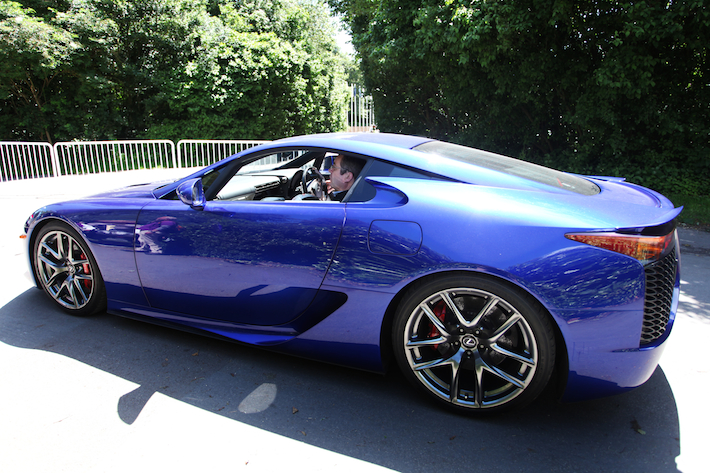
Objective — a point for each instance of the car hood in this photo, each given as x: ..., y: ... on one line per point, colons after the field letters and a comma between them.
x: 136, y: 191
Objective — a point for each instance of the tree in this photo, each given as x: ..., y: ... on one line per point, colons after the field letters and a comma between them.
x: 98, y: 69
x: 616, y: 87
x: 269, y: 69
x: 34, y: 55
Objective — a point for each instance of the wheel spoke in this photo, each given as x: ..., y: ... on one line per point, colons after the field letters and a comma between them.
x: 454, y: 364
x: 51, y: 270
x: 505, y: 376
x: 479, y: 394
x: 431, y: 342
x: 492, y: 301
x: 455, y: 377
x: 482, y: 367
x: 51, y: 250
x: 526, y: 360
x: 78, y: 290
x: 78, y: 262
x: 71, y: 291
x: 446, y: 296
x: 60, y: 245
x: 55, y: 278
x: 51, y: 263
x: 434, y: 320
x: 514, y: 319
x: 83, y: 277
x: 74, y: 248
x: 64, y: 291
x: 431, y: 364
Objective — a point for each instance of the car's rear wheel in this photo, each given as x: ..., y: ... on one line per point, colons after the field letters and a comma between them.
x: 474, y: 344
x: 67, y: 271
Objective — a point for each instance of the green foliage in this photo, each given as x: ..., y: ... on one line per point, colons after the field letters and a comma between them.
x: 353, y: 73
x: 696, y: 209
x: 269, y: 73
x: 602, y: 87
x: 102, y: 69
x: 34, y: 55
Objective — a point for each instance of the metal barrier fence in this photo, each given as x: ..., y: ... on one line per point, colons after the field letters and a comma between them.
x: 193, y: 153
x: 24, y: 160
x: 20, y: 160
x: 90, y: 157
x: 361, y: 114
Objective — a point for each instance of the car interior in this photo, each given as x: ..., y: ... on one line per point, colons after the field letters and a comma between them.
x: 291, y: 175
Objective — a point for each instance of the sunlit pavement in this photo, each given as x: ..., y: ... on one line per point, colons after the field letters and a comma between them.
x: 685, y: 361
x: 107, y: 394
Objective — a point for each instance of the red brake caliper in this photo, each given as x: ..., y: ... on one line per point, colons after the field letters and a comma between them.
x: 87, y: 270
x: 440, y: 312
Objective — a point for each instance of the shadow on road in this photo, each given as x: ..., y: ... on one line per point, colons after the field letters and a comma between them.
x: 366, y: 416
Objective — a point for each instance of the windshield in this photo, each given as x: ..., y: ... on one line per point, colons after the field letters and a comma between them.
x: 512, y: 166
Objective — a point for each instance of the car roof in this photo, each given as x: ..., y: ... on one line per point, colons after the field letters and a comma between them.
x: 387, y: 139
x: 398, y: 149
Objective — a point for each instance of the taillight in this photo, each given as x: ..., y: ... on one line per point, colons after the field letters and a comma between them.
x: 646, y: 249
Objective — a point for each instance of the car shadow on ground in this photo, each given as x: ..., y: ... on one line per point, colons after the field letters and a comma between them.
x: 366, y: 416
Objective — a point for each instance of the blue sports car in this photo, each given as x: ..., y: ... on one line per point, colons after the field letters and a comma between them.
x: 483, y: 277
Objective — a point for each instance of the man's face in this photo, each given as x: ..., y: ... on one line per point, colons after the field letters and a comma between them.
x: 338, y: 181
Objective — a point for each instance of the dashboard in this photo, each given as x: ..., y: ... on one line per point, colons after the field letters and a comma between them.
x: 281, y: 183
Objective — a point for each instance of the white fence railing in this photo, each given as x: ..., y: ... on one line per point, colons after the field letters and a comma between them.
x: 361, y: 115
x: 21, y: 160
x: 24, y: 160
x: 193, y: 153
x: 90, y: 157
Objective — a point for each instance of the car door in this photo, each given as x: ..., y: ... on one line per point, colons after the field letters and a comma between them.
x: 258, y: 263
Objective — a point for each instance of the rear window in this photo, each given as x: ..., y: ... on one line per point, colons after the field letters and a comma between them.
x: 512, y: 166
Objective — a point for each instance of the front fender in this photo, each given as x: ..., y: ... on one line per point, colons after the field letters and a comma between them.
x: 108, y: 231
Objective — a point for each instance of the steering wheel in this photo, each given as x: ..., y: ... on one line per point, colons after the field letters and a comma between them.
x: 311, y: 175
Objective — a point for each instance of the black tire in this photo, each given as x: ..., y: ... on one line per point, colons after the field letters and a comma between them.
x: 67, y: 271
x: 474, y: 344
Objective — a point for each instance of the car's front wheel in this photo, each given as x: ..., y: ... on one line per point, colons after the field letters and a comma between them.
x: 473, y: 343
x: 67, y: 271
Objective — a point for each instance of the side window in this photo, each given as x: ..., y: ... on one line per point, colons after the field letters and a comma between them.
x: 273, y: 177
x: 271, y: 161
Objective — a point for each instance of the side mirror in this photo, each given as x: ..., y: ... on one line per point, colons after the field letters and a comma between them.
x: 191, y: 193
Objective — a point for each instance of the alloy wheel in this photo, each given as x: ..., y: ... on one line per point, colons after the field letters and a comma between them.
x: 65, y: 270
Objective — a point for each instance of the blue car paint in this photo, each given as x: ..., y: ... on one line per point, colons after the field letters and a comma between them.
x: 394, y: 237
x: 246, y: 263
x: 363, y: 254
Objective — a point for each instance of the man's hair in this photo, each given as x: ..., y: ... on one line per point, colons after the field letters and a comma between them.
x: 353, y: 165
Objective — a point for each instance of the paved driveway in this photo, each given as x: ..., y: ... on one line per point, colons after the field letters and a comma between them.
x: 110, y: 394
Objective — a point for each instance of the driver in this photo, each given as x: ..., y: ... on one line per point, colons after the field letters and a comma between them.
x: 343, y: 173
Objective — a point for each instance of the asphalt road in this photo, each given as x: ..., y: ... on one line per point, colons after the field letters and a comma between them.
x: 110, y: 394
